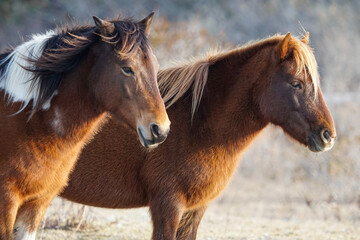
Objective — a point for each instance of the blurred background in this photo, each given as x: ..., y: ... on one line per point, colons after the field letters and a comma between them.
x: 280, y: 190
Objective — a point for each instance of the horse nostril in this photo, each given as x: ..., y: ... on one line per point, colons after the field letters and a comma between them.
x: 155, y: 129
x: 325, y: 135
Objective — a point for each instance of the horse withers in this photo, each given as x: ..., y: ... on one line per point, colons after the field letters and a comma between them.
x: 55, y: 91
x: 218, y: 105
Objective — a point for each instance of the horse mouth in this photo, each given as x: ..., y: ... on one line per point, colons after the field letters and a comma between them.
x: 149, y: 144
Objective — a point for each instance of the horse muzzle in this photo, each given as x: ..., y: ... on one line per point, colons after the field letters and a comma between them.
x: 153, y: 137
x: 321, y: 141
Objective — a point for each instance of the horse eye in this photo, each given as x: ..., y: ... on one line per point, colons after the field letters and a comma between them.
x: 128, y: 70
x: 296, y: 85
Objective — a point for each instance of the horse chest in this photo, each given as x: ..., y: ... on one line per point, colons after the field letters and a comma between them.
x: 209, y: 178
x: 43, y: 172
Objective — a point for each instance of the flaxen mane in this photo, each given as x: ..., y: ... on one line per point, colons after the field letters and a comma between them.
x: 41, y: 63
x: 174, y: 82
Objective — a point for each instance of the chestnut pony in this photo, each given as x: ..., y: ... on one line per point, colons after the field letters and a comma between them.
x: 55, y: 91
x: 219, y: 104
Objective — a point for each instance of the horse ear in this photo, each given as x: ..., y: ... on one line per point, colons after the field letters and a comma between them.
x: 284, y: 46
x: 305, y: 39
x: 106, y: 28
x: 145, y: 23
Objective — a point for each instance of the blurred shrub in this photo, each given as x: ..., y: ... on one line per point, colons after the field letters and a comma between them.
x: 14, y: 10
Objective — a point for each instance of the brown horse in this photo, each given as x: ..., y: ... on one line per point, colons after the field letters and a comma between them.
x: 55, y: 91
x: 241, y: 91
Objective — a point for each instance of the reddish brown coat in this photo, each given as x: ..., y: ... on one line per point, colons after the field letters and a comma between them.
x: 246, y: 89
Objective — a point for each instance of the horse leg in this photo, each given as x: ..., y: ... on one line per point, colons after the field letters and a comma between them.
x: 29, y: 217
x: 9, y: 205
x: 166, y: 215
x: 189, y: 224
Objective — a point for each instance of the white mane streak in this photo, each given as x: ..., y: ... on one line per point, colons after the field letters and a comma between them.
x: 15, y: 80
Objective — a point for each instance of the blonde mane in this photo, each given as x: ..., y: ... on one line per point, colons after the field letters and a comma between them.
x: 174, y: 82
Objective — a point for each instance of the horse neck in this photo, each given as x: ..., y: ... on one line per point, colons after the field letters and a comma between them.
x: 228, y: 114
x: 74, y: 113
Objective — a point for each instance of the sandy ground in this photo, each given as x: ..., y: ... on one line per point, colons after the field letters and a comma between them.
x: 245, y: 211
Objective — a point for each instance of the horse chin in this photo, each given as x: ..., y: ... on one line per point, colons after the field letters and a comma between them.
x: 297, y: 136
x: 314, y: 146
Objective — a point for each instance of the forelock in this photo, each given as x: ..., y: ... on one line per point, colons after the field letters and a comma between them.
x: 128, y: 38
x: 305, y: 61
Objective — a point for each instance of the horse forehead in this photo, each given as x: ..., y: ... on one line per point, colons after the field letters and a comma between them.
x: 148, y: 63
x: 294, y: 67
